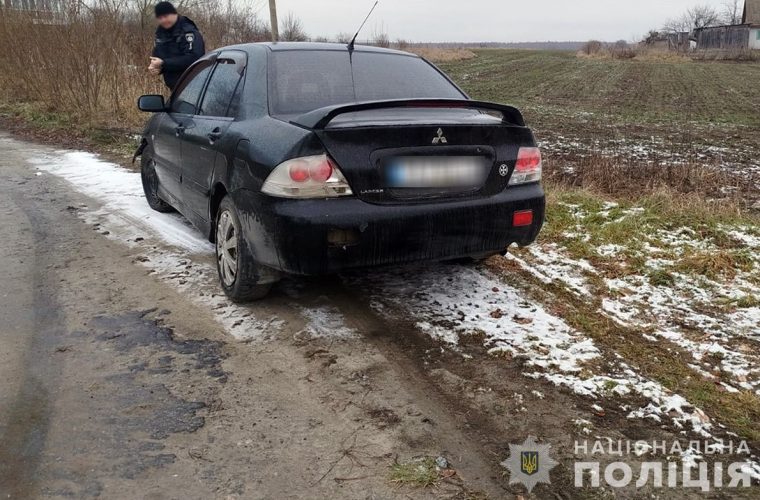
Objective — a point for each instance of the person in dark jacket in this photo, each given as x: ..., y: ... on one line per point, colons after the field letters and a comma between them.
x: 179, y: 44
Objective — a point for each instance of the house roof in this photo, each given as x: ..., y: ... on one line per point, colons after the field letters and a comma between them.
x: 751, y: 12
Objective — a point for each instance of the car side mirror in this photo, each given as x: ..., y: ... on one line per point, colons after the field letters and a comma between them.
x: 151, y: 103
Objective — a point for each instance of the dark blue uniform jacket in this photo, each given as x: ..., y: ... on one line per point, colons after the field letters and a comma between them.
x: 179, y: 47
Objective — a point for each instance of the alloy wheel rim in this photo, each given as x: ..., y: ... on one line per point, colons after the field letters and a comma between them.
x: 226, y: 248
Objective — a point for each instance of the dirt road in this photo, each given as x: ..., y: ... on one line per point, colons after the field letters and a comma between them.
x: 125, y: 374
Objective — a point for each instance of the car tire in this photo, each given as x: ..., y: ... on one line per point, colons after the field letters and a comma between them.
x: 150, y: 183
x: 239, y: 274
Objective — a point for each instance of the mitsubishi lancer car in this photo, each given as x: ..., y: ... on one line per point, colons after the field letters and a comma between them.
x: 310, y: 158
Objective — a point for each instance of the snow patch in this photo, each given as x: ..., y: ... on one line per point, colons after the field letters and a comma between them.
x: 449, y: 302
x: 326, y: 321
x: 167, y: 244
x: 120, y: 192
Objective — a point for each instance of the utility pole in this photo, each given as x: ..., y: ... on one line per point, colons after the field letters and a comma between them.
x: 273, y: 20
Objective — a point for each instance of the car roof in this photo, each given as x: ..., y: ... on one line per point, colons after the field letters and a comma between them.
x: 317, y: 46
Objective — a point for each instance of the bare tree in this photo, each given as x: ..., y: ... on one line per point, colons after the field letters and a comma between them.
x: 732, y: 12
x: 701, y: 16
x: 291, y: 29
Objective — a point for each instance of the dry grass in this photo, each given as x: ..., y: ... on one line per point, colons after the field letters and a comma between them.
x: 420, y: 472
x: 714, y: 264
x: 642, y: 54
x: 693, y: 183
x: 434, y: 54
x: 663, y: 56
x: 93, y: 67
x: 741, y: 55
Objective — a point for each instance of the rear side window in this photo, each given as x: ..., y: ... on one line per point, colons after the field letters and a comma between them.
x: 185, y: 99
x: 304, y: 80
x: 222, y: 88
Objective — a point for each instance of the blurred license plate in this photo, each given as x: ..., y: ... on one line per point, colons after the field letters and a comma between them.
x: 436, y: 172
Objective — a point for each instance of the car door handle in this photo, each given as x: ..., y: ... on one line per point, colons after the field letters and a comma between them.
x: 179, y: 130
x: 214, y: 135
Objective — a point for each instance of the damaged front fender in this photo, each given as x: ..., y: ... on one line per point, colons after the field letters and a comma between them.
x: 139, y: 150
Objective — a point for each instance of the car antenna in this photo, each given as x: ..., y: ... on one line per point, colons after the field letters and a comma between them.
x: 353, y: 40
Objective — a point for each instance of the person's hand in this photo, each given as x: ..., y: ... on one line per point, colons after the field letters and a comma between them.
x: 155, y: 65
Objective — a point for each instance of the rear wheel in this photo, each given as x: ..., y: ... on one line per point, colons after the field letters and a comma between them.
x: 150, y: 183
x: 239, y: 274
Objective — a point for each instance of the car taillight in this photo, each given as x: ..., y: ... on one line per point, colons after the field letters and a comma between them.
x: 307, y: 177
x: 299, y: 171
x: 528, y: 166
x: 321, y: 171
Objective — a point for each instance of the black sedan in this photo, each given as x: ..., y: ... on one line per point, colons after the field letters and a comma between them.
x: 309, y: 159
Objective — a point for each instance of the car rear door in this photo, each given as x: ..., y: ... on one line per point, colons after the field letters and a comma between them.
x: 172, y: 127
x: 205, y: 140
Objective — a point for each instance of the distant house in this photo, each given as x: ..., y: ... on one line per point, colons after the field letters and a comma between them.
x: 664, y: 42
x: 751, y: 18
x: 41, y: 10
x: 734, y: 37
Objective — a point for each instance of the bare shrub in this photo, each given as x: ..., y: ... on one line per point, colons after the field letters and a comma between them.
x: 381, y: 40
x: 292, y: 30
x: 622, y: 50
x: 592, y: 47
x: 402, y: 44
x: 380, y: 37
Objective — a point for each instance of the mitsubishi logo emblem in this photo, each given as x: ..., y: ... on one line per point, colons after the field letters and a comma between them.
x: 440, y: 139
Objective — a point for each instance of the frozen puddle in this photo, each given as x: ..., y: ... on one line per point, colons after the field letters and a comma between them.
x: 169, y: 246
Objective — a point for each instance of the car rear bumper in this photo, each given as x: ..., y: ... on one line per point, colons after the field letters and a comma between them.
x: 311, y: 237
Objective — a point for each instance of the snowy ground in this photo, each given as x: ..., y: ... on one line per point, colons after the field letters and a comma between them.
x: 449, y: 302
x: 712, y: 313
x: 168, y: 245
x: 740, y: 160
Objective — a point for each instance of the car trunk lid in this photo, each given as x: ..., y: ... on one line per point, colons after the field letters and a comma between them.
x: 365, y: 143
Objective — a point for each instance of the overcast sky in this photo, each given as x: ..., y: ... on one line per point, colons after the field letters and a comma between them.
x: 488, y: 20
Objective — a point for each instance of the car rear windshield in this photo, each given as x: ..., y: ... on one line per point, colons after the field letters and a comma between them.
x: 304, y: 80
